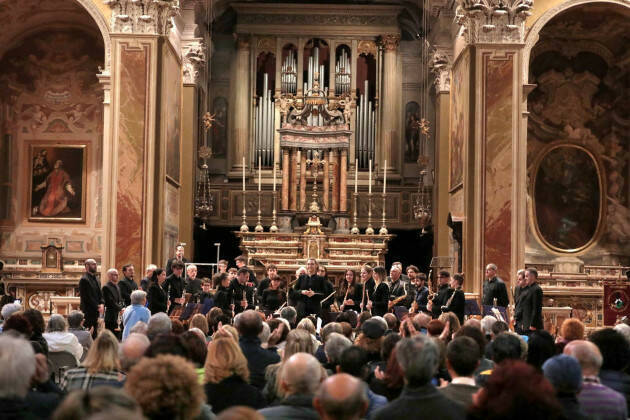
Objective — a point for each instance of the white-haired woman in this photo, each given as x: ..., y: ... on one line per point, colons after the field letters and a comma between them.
x: 59, y: 339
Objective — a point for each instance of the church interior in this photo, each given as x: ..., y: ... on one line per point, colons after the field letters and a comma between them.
x: 444, y: 134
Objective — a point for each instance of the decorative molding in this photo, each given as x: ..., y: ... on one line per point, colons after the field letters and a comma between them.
x: 441, y: 68
x: 243, y: 41
x: 493, y: 21
x: 573, y: 48
x: 194, y: 60
x: 367, y: 48
x: 316, y: 19
x: 390, y: 42
x: 266, y: 45
x: 142, y: 16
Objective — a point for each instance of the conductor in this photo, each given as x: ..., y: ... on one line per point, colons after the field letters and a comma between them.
x: 309, y: 290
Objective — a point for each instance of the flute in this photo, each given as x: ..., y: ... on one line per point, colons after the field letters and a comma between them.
x: 343, y: 304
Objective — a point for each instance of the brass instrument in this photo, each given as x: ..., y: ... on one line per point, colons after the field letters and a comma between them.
x: 430, y: 285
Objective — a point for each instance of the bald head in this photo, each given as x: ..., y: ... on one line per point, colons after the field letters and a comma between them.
x: 587, y: 354
x: 132, y: 349
x: 249, y: 324
x: 301, y: 374
x: 341, y: 397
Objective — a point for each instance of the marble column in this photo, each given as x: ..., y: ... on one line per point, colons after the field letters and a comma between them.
x: 390, y: 98
x: 334, y: 159
x: 343, y: 181
x: 241, y: 108
x: 293, y: 180
x: 303, y: 206
x: 286, y: 168
x: 326, y: 183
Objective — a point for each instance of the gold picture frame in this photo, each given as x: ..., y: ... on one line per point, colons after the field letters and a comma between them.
x: 57, y: 182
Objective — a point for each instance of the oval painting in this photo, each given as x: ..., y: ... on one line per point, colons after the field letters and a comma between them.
x: 567, y: 198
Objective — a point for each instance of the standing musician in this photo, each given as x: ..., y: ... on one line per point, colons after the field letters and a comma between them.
x: 174, y: 286
x: 380, y: 298
x: 272, y: 271
x: 223, y: 295
x: 398, y: 293
x: 273, y: 297
x: 309, y: 290
x: 441, y: 297
x: 368, y: 285
x: 528, y: 311
x: 421, y: 297
x: 242, y: 291
x: 456, y: 302
x: 350, y: 293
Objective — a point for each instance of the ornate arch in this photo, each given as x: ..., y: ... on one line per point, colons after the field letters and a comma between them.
x: 103, y: 27
x: 533, y: 34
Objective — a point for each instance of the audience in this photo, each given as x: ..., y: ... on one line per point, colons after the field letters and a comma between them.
x: 17, y: 364
x: 616, y: 357
x: 59, y: 339
x: 132, y: 350
x: 565, y: 375
x: 353, y: 361
x: 335, y: 345
x: 136, y: 312
x: 341, y: 396
x: 159, y: 323
x: 84, y: 404
x: 36, y: 320
x: 75, y: 326
x: 540, y: 347
x: 249, y: 325
x: 570, y: 329
x: 462, y: 358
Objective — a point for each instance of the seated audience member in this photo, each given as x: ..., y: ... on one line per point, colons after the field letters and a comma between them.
x: 159, y: 323
x: 59, y: 339
x: 100, y: 367
x: 227, y: 377
x: 540, y: 347
x: 571, y: 329
x: 390, y: 382
x: 418, y: 359
x: 477, y: 335
x: 421, y: 321
x: 226, y: 331
x: 299, y: 378
x: 136, y: 312
x: 597, y: 400
x: 166, y: 387
x: 8, y: 310
x: 335, y: 345
x: 177, y: 327
x: 18, y: 325
x: 240, y: 413
x: 516, y: 390
x: 37, y: 323
x: 497, y: 328
x: 462, y: 358
x: 623, y: 329
x: 17, y: 364
x: 307, y: 324
x: 249, y: 325
x: 327, y: 329
x: 167, y: 344
x: 616, y: 354
x: 505, y: 346
x: 75, y: 326
x: 371, y: 338
x: 140, y: 328
x: 290, y: 314
x: 200, y: 321
x: 435, y: 327
x: 392, y: 322
x: 132, y: 350
x: 486, y: 326
x: 341, y: 396
x: 565, y: 375
x: 353, y: 361
x: 80, y: 404
x: 197, y: 351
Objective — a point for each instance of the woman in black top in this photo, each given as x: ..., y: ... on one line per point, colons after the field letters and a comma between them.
x: 351, y: 291
x: 223, y: 295
x: 380, y: 298
x: 273, y: 297
x: 157, y: 297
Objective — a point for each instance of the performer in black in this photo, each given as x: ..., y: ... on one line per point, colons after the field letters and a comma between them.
x: 113, y: 302
x: 494, y: 288
x: 174, y: 286
x: 441, y: 297
x: 309, y: 290
x: 157, y: 295
x: 179, y: 256
x: 127, y: 283
x: 380, y: 298
x: 368, y: 285
x: 272, y: 271
x: 91, y: 297
x: 223, y: 294
x: 421, y: 297
x: 242, y: 291
x: 456, y: 302
x: 273, y: 297
x: 193, y: 284
x: 528, y: 310
x: 350, y: 293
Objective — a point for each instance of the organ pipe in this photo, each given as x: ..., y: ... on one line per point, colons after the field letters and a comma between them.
x: 289, y: 74
x: 342, y: 74
x: 264, y: 124
x: 365, y: 134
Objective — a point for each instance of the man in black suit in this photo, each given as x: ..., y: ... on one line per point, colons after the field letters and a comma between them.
x: 528, y: 310
x: 113, y: 301
x: 179, y: 256
x: 91, y: 296
x: 441, y: 298
x: 494, y: 288
x: 127, y: 284
x: 241, y: 262
x: 174, y: 286
x: 249, y: 325
x: 309, y: 290
x: 272, y: 271
x: 242, y: 291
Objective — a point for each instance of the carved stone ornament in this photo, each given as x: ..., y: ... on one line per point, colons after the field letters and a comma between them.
x: 266, y: 45
x: 367, y: 48
x: 243, y: 41
x: 441, y: 67
x: 194, y: 60
x: 493, y: 21
x: 142, y: 16
x: 390, y: 41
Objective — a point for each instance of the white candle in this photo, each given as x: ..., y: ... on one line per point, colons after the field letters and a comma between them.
x: 243, y: 173
x: 385, y: 178
x: 274, y: 176
x: 370, y: 178
x: 259, y: 171
x: 356, y: 175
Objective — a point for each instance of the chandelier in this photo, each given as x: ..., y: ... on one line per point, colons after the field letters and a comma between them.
x: 204, y: 202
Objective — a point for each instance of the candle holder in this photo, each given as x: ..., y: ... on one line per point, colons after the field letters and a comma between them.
x: 244, y: 227
x: 274, y: 228
x: 369, y: 230
x: 259, y: 227
x: 383, y: 229
x: 355, y: 227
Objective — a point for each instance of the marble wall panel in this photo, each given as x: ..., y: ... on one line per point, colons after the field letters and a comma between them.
x: 460, y: 117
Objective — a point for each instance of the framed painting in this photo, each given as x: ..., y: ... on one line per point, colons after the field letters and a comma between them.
x: 58, y: 177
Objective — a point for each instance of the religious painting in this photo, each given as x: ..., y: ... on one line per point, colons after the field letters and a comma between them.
x: 219, y: 127
x: 58, y: 175
x: 412, y: 134
x: 568, y: 198
x: 459, y: 117
x: 171, y: 109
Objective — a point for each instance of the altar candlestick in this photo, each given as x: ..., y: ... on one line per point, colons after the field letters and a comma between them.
x: 385, y: 178
x: 243, y: 173
x: 356, y: 175
x: 259, y: 170
x: 274, y: 176
x: 370, y: 178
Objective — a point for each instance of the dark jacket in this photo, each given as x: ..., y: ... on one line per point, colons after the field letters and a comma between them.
x: 619, y: 381
x: 380, y: 299
x: 495, y: 288
x: 127, y: 286
x: 528, y: 311
x: 457, y: 304
x: 91, y: 295
x: 356, y: 295
x: 398, y: 289
x: 293, y: 407
x: 170, y: 262
x: 460, y: 393
x: 174, y: 287
x: 238, y: 290
x: 257, y: 359
x: 113, y: 302
x: 15, y: 409
x: 425, y: 402
x: 157, y: 298
x: 422, y: 298
x: 223, y: 299
x: 272, y: 299
x: 233, y: 391
x: 309, y: 305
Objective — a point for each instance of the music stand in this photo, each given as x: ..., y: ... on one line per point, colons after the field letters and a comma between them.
x: 487, y: 310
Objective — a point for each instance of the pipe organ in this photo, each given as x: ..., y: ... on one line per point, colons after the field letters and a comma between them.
x: 264, y: 129
x: 365, y: 133
x: 289, y: 74
x: 342, y: 74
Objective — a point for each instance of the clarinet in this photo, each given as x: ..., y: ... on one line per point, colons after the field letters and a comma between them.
x: 343, y: 304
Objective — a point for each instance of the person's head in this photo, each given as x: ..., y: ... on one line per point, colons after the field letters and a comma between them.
x: 435, y: 327
x: 354, y: 361
x: 454, y: 324
x: 272, y: 270
x: 179, y: 251
x: 196, y: 346
x: 128, y: 271
x: 112, y: 275
x: 166, y: 387
x: 444, y: 277
x: 225, y: 359
x: 17, y: 364
x: 167, y: 344
x: 159, y: 323
x: 564, y: 373
x: 505, y: 347
x: 90, y: 266
x: 191, y: 271
x: 103, y: 354
x: 623, y: 329
x: 394, y: 273
x: 227, y: 331
x: 222, y: 266
x: 289, y: 313
x: 298, y: 341
x: 462, y: 356
x: 421, y: 320
x: 9, y: 309
x: 613, y: 347
x: 350, y: 277
x: 36, y: 319
x: 491, y: 271
x: 531, y: 276
x: 418, y: 358
x: 301, y: 270
x: 199, y: 321
x: 275, y: 282
x: 328, y: 329
x: 520, y: 278
x: 322, y: 272
x: 540, y: 347
x: 311, y: 266
x: 379, y: 274
x: 341, y: 397
x: 85, y: 404
x: 240, y: 261
x: 132, y: 350
x: 392, y: 321
x: 335, y: 345
x: 139, y: 328
x: 158, y: 276
x: 178, y: 268
x: 148, y: 272
x: 138, y: 297
x: 457, y: 281
x: 412, y: 273
x: 486, y: 324
x: 232, y: 272
x: 475, y: 334
x: 587, y: 354
x: 516, y: 390
x: 300, y: 374
x: 366, y: 273
x: 57, y: 323
x: 306, y: 324
x: 243, y: 275
x: 249, y: 324
x: 499, y: 327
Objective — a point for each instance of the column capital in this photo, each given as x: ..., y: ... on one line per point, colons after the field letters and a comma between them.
x: 243, y: 41
x: 142, y: 16
x: 389, y: 41
x: 194, y: 60
x: 493, y: 21
x: 440, y: 66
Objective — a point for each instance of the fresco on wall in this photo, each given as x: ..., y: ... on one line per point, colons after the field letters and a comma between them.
x: 567, y: 198
x: 459, y: 117
x: 412, y: 135
x: 219, y: 127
